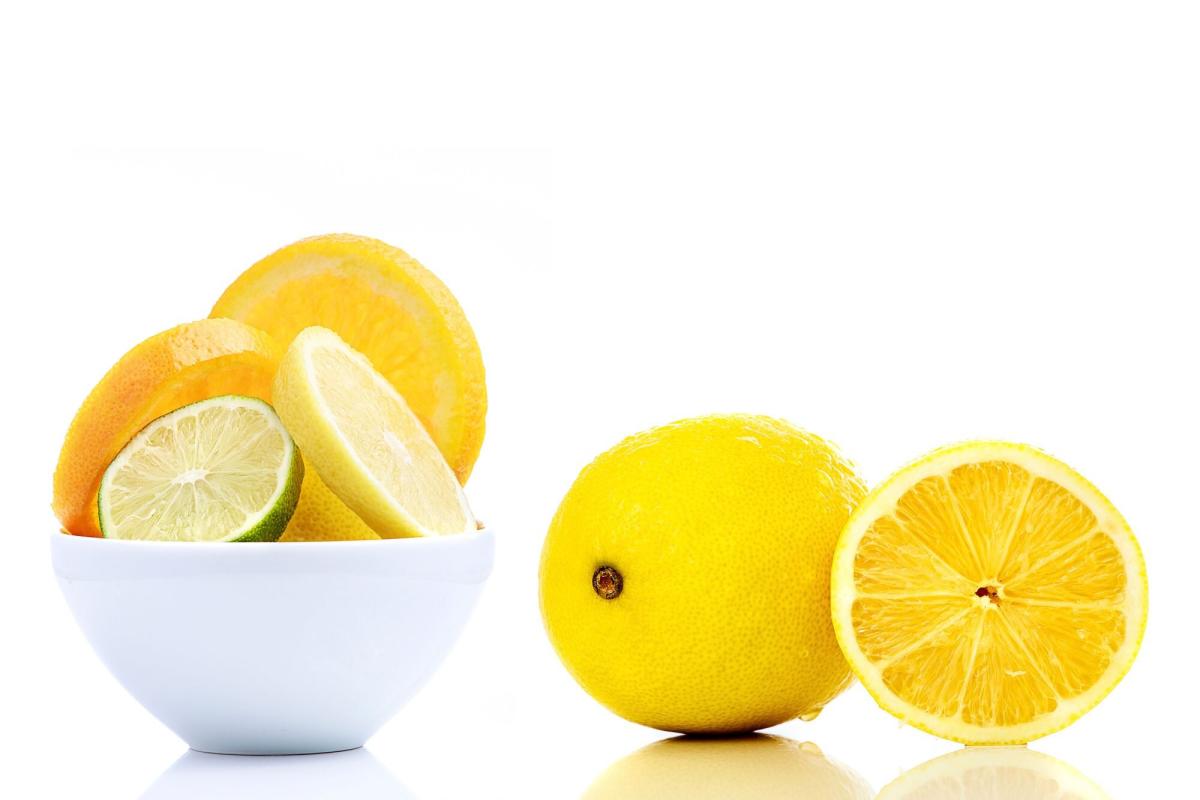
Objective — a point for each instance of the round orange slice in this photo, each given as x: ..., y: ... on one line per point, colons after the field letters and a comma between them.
x: 188, y: 363
x: 988, y: 594
x: 389, y: 308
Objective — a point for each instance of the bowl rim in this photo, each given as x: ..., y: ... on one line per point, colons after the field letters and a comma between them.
x: 462, y: 557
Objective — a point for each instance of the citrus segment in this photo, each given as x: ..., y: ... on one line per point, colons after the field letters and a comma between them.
x: 388, y: 307
x: 988, y: 594
x: 363, y: 440
x: 185, y: 364
x: 222, y: 469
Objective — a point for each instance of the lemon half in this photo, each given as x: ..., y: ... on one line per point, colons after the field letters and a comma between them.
x: 988, y: 594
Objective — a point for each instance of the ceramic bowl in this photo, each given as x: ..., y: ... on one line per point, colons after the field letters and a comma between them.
x: 273, y: 648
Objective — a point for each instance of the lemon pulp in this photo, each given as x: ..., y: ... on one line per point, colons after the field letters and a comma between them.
x: 989, y: 594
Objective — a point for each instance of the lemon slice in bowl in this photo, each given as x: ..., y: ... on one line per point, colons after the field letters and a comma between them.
x: 364, y: 441
x: 988, y: 594
x: 219, y: 470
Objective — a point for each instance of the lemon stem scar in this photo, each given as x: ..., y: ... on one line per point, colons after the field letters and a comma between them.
x: 607, y: 582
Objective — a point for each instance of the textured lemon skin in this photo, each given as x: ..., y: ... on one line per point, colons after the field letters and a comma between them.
x: 390, y: 308
x: 321, y: 517
x: 755, y: 767
x: 723, y: 529
x: 884, y: 496
x: 187, y: 363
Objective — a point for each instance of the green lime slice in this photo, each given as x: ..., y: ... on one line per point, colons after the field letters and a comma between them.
x: 220, y: 470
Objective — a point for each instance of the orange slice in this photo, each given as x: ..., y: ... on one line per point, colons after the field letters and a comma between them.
x: 183, y: 365
x: 389, y: 308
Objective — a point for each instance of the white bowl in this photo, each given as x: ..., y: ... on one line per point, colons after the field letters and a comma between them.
x: 272, y: 648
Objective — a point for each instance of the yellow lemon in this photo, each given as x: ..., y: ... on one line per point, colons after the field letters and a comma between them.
x: 360, y: 436
x: 755, y: 767
x: 685, y: 577
x: 989, y: 594
x: 386, y: 306
x: 321, y: 517
x: 993, y: 773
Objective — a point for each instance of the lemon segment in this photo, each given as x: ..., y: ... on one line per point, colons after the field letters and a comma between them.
x: 364, y: 442
x: 988, y: 594
x: 219, y: 470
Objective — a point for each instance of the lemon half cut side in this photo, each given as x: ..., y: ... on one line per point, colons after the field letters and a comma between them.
x: 988, y: 594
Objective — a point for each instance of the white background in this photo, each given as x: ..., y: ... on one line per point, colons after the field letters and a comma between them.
x: 896, y: 224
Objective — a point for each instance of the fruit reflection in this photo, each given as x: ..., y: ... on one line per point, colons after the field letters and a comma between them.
x: 354, y: 774
x: 993, y: 773
x: 760, y: 767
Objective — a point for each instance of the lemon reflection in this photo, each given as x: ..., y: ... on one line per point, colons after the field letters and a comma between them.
x: 760, y: 767
x: 203, y: 776
x: 993, y: 773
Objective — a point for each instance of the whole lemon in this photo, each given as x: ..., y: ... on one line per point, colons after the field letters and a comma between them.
x: 685, y: 576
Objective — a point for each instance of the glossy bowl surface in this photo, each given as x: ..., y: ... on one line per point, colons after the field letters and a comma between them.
x: 273, y: 648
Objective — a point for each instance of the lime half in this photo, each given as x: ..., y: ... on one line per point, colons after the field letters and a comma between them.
x: 220, y: 470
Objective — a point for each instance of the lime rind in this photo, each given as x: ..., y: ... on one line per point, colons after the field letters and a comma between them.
x: 266, y: 524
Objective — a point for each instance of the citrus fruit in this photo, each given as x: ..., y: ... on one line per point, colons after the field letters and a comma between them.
x: 685, y: 576
x: 363, y: 440
x: 758, y: 767
x: 321, y: 517
x: 187, y: 363
x: 988, y: 594
x: 989, y: 773
x: 386, y: 306
x: 219, y: 470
